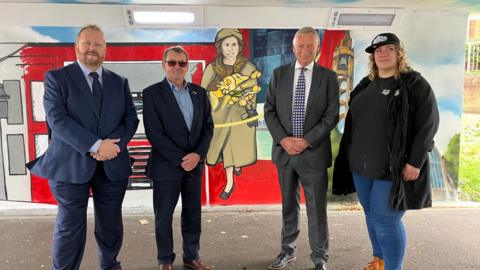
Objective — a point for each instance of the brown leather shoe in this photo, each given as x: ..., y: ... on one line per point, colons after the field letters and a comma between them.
x: 375, y: 264
x: 165, y: 266
x: 197, y: 265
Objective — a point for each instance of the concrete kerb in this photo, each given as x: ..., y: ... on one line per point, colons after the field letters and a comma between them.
x: 8, y: 208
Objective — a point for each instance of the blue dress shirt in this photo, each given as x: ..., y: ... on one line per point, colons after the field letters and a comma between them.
x: 184, y: 102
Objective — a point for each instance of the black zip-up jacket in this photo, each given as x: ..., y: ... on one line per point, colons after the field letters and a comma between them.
x: 412, y: 124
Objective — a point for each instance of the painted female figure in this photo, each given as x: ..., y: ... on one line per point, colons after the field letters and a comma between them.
x: 231, y: 80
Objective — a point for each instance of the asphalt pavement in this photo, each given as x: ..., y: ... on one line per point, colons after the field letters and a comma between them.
x: 248, y: 238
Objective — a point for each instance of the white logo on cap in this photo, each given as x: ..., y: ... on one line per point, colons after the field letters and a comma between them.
x: 379, y: 39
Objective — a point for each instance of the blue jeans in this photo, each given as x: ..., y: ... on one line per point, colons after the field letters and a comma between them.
x: 385, y: 226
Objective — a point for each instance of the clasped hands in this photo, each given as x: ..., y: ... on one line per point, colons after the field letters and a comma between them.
x: 190, y: 161
x: 293, y: 145
x: 107, y: 150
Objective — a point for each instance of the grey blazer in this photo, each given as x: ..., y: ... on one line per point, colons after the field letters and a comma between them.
x: 321, y: 115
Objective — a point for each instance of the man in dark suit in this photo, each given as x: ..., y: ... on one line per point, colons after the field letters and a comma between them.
x: 179, y: 126
x: 301, y: 109
x: 92, y: 118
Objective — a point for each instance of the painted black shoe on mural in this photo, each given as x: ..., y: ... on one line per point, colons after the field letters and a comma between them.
x: 225, y: 195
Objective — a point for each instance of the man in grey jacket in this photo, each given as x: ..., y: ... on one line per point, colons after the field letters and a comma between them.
x: 301, y: 109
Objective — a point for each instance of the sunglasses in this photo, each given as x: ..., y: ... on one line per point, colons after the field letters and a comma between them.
x: 174, y: 63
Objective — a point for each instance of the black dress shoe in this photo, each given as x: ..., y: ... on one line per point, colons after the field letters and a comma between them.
x: 225, y: 195
x: 321, y: 267
x: 282, y: 260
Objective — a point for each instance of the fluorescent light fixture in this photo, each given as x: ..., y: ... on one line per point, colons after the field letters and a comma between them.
x: 364, y: 18
x: 163, y: 16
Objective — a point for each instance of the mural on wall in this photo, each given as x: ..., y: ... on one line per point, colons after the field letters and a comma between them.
x: 231, y: 80
x: 234, y: 65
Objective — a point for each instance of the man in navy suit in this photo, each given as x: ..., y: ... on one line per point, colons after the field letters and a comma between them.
x: 91, y: 116
x: 179, y: 126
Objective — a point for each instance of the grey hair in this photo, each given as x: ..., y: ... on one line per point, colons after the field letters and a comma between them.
x: 307, y: 30
x: 176, y: 49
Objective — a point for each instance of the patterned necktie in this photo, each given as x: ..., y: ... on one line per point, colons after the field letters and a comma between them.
x: 298, y: 115
x: 97, y: 90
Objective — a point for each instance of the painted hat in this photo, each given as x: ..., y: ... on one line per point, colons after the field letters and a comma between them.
x: 227, y: 32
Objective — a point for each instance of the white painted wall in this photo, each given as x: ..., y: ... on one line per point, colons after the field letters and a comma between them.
x: 17, y: 186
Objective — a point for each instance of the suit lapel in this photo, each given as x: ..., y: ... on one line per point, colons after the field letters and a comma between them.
x: 166, y: 91
x: 76, y: 74
x: 289, y: 84
x: 108, y: 90
x: 314, y: 86
x: 196, y: 105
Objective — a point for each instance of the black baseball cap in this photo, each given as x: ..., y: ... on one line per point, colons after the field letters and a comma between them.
x: 382, y: 39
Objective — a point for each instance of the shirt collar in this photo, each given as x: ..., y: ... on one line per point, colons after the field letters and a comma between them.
x: 86, y: 71
x: 309, y: 66
x: 185, y: 86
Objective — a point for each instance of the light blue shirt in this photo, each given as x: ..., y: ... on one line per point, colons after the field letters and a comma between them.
x: 184, y: 102
x: 86, y: 71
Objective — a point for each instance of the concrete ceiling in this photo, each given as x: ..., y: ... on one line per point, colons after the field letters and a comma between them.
x: 470, y: 6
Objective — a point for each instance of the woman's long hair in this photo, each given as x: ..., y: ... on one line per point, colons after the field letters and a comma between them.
x: 402, y: 64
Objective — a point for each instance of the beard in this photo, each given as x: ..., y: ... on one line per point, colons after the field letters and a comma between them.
x: 90, y: 58
x: 93, y: 59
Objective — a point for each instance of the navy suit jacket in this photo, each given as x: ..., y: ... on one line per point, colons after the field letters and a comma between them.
x: 76, y: 124
x: 168, y: 133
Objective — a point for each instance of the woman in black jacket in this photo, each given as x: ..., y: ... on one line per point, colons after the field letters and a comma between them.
x: 389, y: 130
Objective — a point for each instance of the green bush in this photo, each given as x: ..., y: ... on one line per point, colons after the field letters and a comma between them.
x: 469, y: 171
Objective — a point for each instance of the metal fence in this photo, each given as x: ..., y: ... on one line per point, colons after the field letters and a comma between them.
x: 472, y: 59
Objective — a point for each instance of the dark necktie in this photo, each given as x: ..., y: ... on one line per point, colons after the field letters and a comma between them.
x: 96, y: 90
x: 298, y: 115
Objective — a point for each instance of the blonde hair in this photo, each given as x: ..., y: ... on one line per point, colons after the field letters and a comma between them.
x: 402, y: 64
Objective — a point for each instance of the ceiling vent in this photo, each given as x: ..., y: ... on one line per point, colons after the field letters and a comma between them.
x: 364, y: 18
